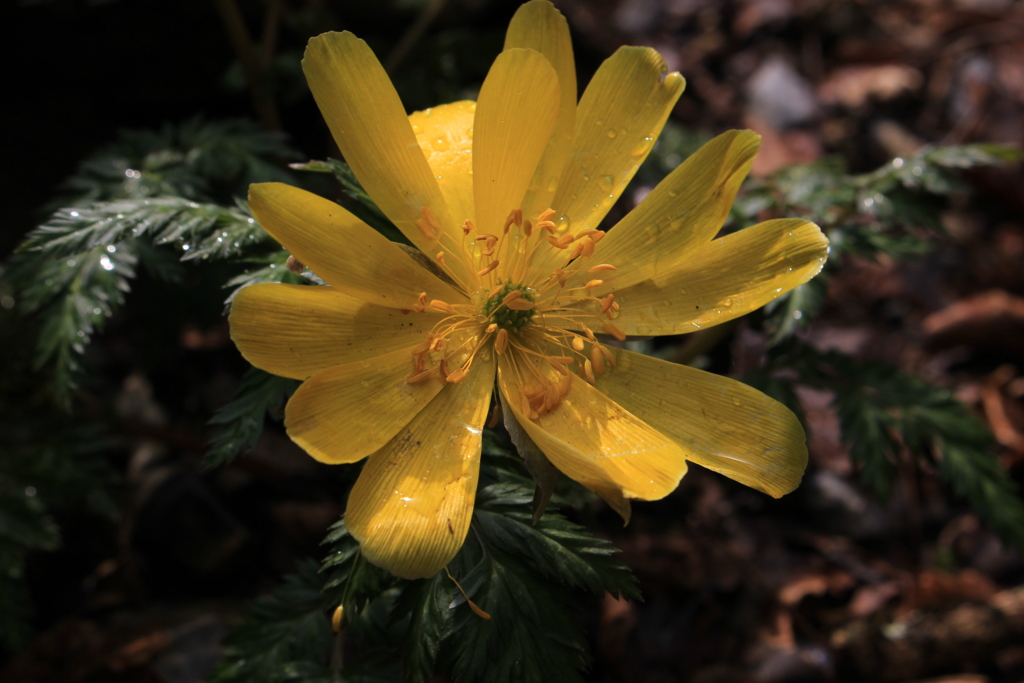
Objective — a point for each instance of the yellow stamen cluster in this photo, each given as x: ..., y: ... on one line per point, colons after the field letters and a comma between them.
x: 535, y: 321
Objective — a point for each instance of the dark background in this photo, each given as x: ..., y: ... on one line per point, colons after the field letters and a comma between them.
x: 738, y: 587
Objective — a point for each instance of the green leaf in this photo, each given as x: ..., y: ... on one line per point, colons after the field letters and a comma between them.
x: 285, y: 636
x: 884, y: 412
x: 76, y: 229
x: 198, y: 160
x: 70, y: 299
x: 259, y: 394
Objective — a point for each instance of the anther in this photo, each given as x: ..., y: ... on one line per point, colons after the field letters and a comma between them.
x: 458, y: 375
x: 577, y: 343
x: 500, y: 342
x: 491, y: 328
x: 511, y: 296
x: 428, y: 224
x: 467, y: 227
x: 421, y: 376
x: 520, y: 305
x: 606, y: 303
x: 588, y: 368
x: 562, y: 370
x: 614, y: 331
x: 561, y: 242
x: 483, y: 271
x: 439, y: 305
x: 597, y: 359
x: 515, y: 216
x: 440, y: 258
x: 593, y: 283
x: 603, y: 266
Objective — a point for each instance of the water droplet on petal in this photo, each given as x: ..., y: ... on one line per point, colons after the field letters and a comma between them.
x: 440, y: 144
x: 611, y: 133
x: 606, y: 183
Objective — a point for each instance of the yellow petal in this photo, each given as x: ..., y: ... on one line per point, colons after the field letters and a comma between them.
x: 411, y: 507
x: 369, y: 123
x: 345, y: 413
x: 298, y: 330
x: 515, y: 116
x: 539, y: 26
x: 342, y: 249
x: 445, y: 134
x: 684, y: 212
x: 725, y: 279
x: 597, y: 442
x: 723, y: 424
x: 620, y: 115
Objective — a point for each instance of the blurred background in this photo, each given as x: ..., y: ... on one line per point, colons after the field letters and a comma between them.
x: 126, y: 560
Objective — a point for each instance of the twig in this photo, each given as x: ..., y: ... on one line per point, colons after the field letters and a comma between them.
x: 413, y: 34
x: 238, y: 34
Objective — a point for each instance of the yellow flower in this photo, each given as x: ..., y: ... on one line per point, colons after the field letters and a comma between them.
x: 504, y: 196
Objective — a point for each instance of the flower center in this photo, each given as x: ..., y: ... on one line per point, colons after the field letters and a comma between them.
x: 523, y: 308
x: 502, y: 313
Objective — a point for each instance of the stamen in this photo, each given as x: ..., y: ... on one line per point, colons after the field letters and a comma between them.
x: 467, y: 227
x: 614, y: 331
x: 515, y: 216
x: 606, y: 303
x: 597, y: 359
x: 489, y: 268
x: 603, y: 266
x: 500, y: 341
x: 458, y: 376
x: 588, y: 368
x: 593, y: 283
x: 440, y: 258
x: 562, y: 370
x: 521, y: 304
x: 421, y: 376
x: 439, y: 305
x: 577, y: 343
x: 561, y: 242
x: 422, y: 347
x: 428, y: 224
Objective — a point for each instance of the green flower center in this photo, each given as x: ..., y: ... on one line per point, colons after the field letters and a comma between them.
x: 503, y: 316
